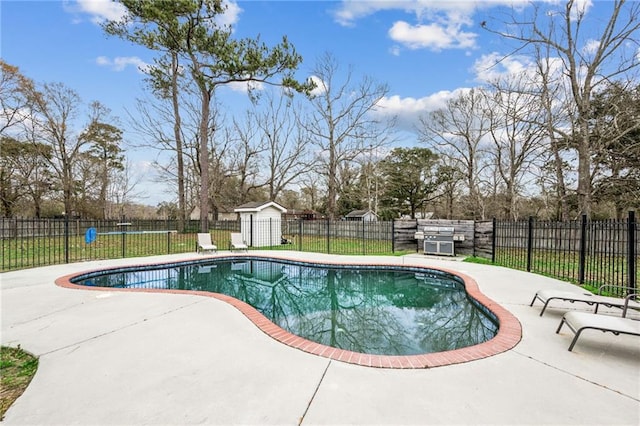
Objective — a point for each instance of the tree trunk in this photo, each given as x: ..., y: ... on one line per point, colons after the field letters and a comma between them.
x: 204, y: 159
x: 584, y: 168
x: 332, y: 189
x: 561, y: 189
x: 177, y: 124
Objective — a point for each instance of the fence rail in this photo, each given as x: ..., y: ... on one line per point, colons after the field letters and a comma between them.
x: 593, y: 253
x: 586, y: 252
x: 26, y: 243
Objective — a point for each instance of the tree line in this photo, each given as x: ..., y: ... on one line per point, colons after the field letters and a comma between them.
x: 558, y: 138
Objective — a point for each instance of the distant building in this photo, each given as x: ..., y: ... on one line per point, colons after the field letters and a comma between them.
x: 362, y: 216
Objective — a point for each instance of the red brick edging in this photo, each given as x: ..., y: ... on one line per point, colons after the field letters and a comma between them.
x: 508, y: 336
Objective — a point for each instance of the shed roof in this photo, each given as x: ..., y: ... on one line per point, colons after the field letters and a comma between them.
x: 360, y: 213
x: 257, y: 206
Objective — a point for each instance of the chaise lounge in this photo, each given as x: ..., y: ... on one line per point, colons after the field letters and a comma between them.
x: 580, y: 321
x: 546, y: 296
x: 205, y: 243
x: 237, y: 243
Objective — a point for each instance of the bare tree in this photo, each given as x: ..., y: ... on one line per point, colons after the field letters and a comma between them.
x: 515, y: 113
x: 588, y: 61
x: 371, y: 180
x: 55, y: 111
x: 311, y: 192
x: 123, y: 190
x: 342, y: 124
x: 169, y: 127
x: 457, y: 132
x: 15, y: 92
x: 246, y: 151
x: 556, y: 114
x: 104, y: 141
x: 164, y: 79
x: 285, y: 144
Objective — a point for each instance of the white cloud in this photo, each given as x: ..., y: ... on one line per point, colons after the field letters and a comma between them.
x: 320, y: 88
x: 438, y: 24
x: 350, y: 10
x: 432, y: 36
x: 119, y: 63
x: 231, y: 15
x: 494, y: 65
x: 244, y: 86
x: 581, y: 8
x: 409, y: 110
x: 591, y: 46
x: 101, y: 10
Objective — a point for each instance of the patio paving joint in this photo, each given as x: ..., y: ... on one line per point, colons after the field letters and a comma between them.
x: 315, y: 391
x: 124, y: 327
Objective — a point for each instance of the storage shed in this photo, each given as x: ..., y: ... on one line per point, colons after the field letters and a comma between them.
x: 362, y: 216
x: 261, y: 223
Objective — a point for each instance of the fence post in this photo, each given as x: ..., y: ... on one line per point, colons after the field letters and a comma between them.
x: 631, y: 252
x: 66, y: 237
x: 583, y: 249
x: 363, y: 240
x: 473, y: 249
x: 300, y: 234
x: 393, y: 235
x: 328, y: 236
x: 493, y: 240
x: 529, y: 243
x: 124, y: 236
x: 250, y: 230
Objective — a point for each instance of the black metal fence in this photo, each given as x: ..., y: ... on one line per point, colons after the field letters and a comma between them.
x: 587, y: 252
x: 27, y: 243
x: 592, y: 253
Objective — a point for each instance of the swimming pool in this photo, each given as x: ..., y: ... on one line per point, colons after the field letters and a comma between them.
x: 377, y: 310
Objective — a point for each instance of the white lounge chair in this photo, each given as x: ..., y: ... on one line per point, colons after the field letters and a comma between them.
x: 546, y: 296
x: 580, y: 321
x: 237, y: 243
x: 205, y: 243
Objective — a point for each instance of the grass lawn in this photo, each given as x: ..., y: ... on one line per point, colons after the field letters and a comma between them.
x: 566, y: 269
x: 17, y: 368
x: 34, y: 252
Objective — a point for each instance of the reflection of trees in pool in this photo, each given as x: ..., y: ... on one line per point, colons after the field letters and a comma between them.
x: 363, y: 310
x: 168, y: 278
x: 452, y: 323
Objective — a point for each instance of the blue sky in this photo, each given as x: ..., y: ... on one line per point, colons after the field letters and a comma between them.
x: 424, y: 50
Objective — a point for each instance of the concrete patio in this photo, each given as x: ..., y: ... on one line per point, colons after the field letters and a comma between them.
x: 111, y: 357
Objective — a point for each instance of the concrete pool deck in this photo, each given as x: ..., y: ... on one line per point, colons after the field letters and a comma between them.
x: 109, y: 357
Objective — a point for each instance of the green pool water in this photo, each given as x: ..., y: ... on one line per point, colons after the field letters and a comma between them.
x: 372, y: 310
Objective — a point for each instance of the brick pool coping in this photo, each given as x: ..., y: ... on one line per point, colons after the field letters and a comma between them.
x: 508, y: 335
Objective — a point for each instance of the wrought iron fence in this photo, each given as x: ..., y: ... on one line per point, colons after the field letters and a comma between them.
x: 586, y: 252
x: 27, y: 243
x: 593, y: 253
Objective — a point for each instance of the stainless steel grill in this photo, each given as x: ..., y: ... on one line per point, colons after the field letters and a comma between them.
x: 439, y: 240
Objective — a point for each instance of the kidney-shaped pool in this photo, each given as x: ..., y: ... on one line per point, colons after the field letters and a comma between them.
x: 355, y: 309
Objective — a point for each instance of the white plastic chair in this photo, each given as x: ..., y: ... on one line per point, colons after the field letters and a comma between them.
x: 205, y: 243
x: 237, y: 243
